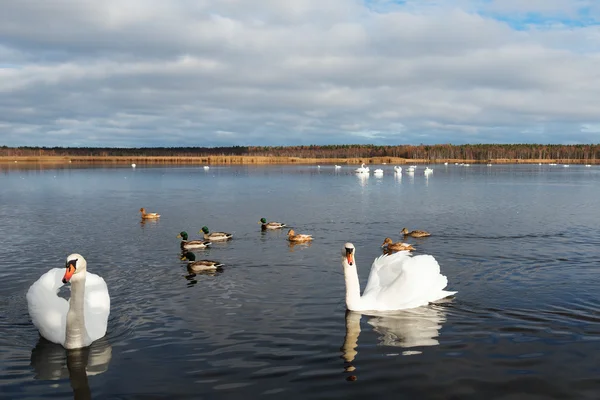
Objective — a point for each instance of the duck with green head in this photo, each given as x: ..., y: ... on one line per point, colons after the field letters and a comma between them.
x: 200, y: 265
x: 270, y: 225
x: 192, y: 244
x: 215, y: 236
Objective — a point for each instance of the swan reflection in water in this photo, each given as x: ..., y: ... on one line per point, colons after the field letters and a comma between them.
x: 363, y: 179
x: 408, y: 329
x: 398, y: 177
x: 51, y: 361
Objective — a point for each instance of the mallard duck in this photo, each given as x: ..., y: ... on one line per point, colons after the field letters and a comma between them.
x: 270, y: 225
x: 215, y: 236
x: 390, y: 245
x: 292, y: 237
x: 416, y: 233
x: 192, y: 244
x: 146, y: 215
x: 200, y: 265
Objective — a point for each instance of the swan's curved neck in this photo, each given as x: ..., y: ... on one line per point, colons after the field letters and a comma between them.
x: 76, y: 332
x: 352, y: 286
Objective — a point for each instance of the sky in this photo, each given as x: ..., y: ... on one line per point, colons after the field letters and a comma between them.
x: 146, y: 73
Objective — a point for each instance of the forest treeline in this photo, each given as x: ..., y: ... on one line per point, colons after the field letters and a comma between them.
x: 480, y: 152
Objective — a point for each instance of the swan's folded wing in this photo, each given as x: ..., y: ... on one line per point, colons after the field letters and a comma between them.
x: 385, y: 269
x: 48, y: 311
x: 423, y: 283
x: 97, y: 306
x: 407, y: 282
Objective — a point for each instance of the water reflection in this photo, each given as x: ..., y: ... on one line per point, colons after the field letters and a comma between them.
x: 398, y: 176
x: 299, y: 245
x: 417, y: 327
x: 51, y: 361
x: 363, y: 179
x: 149, y: 222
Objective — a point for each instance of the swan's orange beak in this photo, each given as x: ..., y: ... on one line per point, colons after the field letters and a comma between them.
x: 69, y: 273
x: 350, y: 256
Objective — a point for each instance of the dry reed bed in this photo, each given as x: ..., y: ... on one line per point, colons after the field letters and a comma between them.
x: 265, y: 160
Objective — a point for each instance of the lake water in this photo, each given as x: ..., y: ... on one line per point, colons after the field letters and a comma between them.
x: 520, y: 244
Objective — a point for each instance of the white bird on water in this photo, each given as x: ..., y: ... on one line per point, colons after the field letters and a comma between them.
x: 81, y: 320
x: 397, y: 281
x: 362, y: 169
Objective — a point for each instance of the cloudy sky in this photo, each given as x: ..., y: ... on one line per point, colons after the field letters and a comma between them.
x: 136, y: 73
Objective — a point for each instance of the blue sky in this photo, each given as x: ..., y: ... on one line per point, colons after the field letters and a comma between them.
x: 133, y: 73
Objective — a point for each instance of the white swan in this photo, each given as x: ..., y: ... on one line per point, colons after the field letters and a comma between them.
x: 396, y: 282
x: 81, y: 320
x: 362, y: 169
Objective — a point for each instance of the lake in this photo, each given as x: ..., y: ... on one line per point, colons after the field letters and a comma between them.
x: 520, y: 244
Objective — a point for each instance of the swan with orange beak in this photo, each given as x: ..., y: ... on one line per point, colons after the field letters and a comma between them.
x: 79, y: 321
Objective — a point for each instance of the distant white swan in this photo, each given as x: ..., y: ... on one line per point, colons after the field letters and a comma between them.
x: 362, y: 169
x: 396, y: 282
x: 378, y: 171
x: 398, y: 169
x: 428, y: 170
x: 81, y: 320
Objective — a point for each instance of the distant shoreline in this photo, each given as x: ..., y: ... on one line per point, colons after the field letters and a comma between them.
x: 265, y: 160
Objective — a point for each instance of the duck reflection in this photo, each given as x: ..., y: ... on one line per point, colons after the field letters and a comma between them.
x: 51, y: 361
x: 149, y: 222
x: 299, y: 245
x: 408, y: 329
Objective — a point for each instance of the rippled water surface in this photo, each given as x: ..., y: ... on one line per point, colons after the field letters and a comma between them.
x: 519, y: 243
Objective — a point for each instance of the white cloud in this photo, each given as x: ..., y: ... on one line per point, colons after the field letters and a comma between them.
x: 305, y: 71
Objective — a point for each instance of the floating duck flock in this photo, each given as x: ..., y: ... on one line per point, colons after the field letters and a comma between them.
x: 397, y: 280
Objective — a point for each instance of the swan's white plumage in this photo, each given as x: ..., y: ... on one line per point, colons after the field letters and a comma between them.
x: 400, y: 281
x: 48, y: 311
